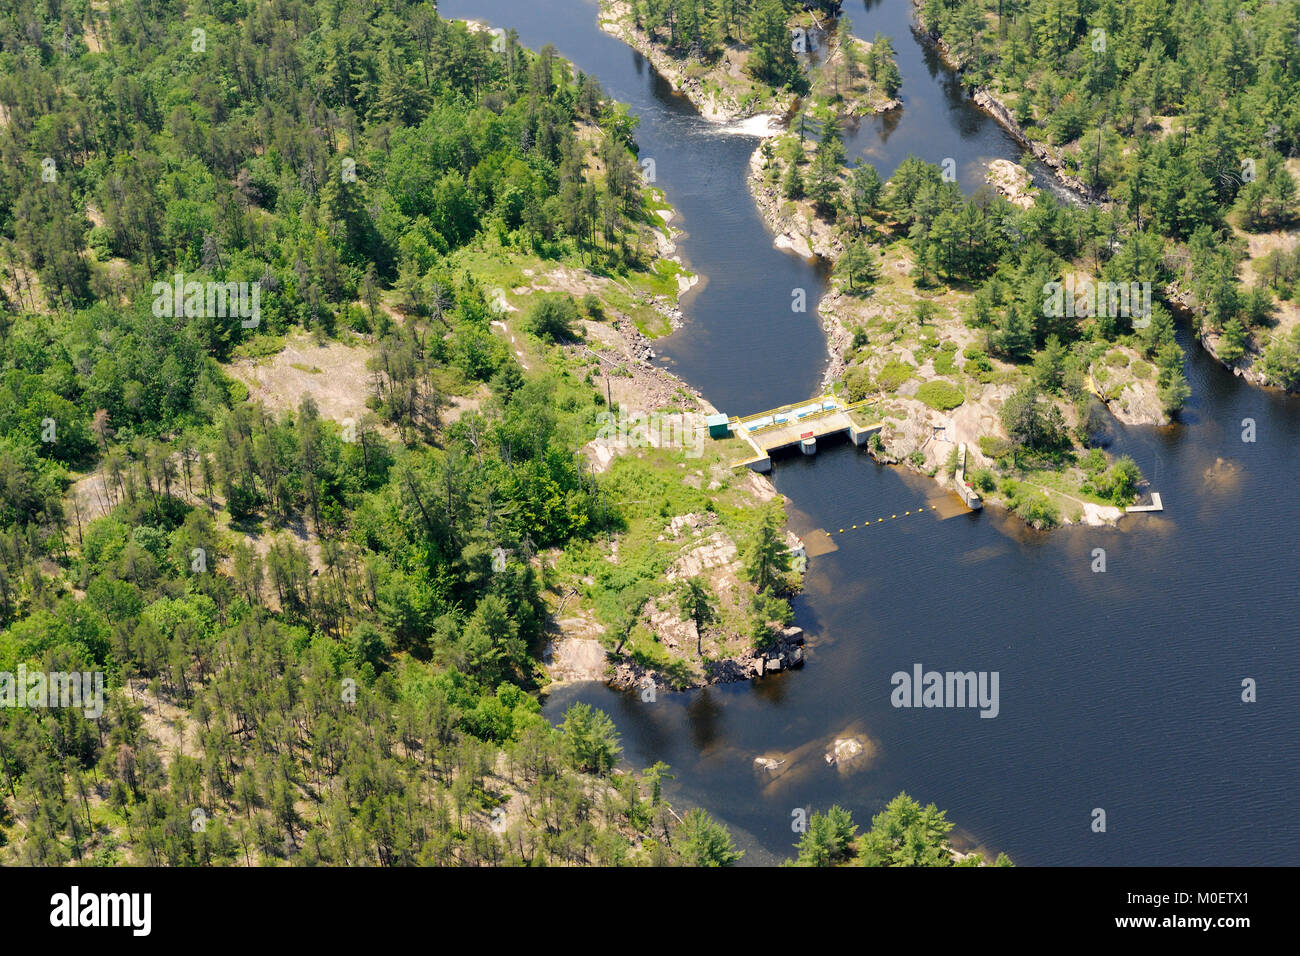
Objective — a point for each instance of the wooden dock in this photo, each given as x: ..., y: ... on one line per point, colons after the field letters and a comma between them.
x: 790, y: 425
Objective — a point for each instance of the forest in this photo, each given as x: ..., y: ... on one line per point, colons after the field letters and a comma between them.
x: 701, y: 29
x: 926, y: 274
x: 1181, y: 186
x: 1010, y: 256
x: 321, y: 638
x: 903, y: 834
x: 1185, y: 117
x: 366, y: 695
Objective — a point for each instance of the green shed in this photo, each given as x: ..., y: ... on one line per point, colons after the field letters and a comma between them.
x: 718, y: 425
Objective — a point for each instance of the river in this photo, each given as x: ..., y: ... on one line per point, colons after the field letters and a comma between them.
x: 1118, y: 690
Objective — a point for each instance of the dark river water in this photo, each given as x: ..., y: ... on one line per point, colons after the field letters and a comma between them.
x: 1118, y: 690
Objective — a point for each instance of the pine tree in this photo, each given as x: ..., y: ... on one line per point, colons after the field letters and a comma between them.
x: 704, y: 842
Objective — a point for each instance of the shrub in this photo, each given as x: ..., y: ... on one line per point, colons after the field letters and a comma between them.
x: 978, y: 362
x: 1094, y: 463
x: 894, y: 374
x: 792, y: 188
x: 477, y: 352
x: 1233, y: 344
x: 950, y: 465
x: 925, y: 311
x: 594, y: 308
x: 994, y: 447
x: 100, y: 239
x: 243, y: 502
x: 940, y: 395
x: 1120, y: 483
x: 552, y: 318
x: 1038, y: 511
x: 858, y: 381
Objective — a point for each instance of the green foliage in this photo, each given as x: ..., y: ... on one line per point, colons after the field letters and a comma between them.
x: 903, y: 834
x: 880, y: 65
x: 792, y: 186
x: 706, y: 843
x: 590, y: 739
x: 767, y: 615
x: 1216, y: 69
x: 698, y: 604
x: 997, y: 448
x: 894, y: 374
x: 983, y: 480
x: 1033, y: 507
x: 977, y: 361
x: 1120, y: 482
x: 1094, y: 463
x: 1033, y: 424
x: 906, y: 834
x: 1171, y: 382
x: 1268, y: 200
x: 828, y: 839
x: 950, y: 463
x: 349, y: 638
x: 862, y: 191
x: 940, y: 395
x: 593, y: 307
x: 552, y: 318
x: 773, y: 61
x: 699, y: 30
x: 945, y: 362
x: 1281, y: 359
x: 1049, y: 365
x: 858, y: 265
x: 766, y: 559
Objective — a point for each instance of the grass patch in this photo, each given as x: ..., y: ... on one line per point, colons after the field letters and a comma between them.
x: 992, y: 446
x: 1116, y: 359
x: 1069, y: 482
x: 262, y: 345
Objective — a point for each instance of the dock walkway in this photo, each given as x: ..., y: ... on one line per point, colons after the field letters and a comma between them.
x: 1156, y: 505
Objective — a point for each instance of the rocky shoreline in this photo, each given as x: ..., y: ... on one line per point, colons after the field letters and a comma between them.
x: 1244, y: 368
x: 985, y: 99
x: 817, y: 239
x: 812, y: 237
x: 574, y: 651
x: 786, y: 653
x: 571, y: 656
x: 615, y: 19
